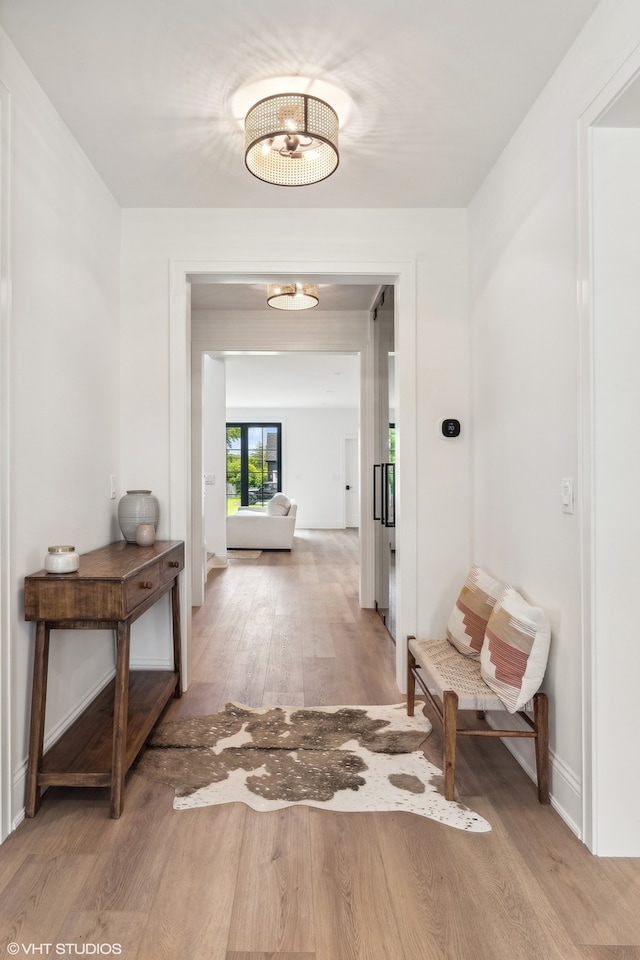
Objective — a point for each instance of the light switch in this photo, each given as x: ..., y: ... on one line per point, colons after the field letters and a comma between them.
x: 566, y: 493
x: 209, y: 479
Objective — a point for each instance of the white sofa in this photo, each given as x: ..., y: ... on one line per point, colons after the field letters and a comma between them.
x: 263, y: 528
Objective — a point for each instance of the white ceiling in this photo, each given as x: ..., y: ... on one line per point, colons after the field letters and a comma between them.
x: 436, y: 88
x: 296, y: 380
x: 625, y: 111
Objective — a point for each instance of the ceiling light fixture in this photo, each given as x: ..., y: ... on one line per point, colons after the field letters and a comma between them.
x: 291, y: 140
x: 292, y: 296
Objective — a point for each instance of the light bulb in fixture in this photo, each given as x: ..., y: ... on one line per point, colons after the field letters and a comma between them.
x: 291, y: 140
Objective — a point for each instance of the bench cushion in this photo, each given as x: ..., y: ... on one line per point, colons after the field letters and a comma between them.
x: 469, y: 617
x: 515, y: 651
x: 444, y: 669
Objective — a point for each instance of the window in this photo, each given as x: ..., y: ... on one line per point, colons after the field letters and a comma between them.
x: 254, y: 470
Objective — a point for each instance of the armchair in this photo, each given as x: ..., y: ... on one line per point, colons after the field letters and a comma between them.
x: 263, y: 528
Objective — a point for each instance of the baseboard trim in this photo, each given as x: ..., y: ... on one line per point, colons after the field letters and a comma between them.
x: 566, y: 788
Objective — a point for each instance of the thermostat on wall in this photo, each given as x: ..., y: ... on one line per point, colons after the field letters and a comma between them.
x: 450, y: 427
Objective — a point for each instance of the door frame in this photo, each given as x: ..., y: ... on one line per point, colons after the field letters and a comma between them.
x: 402, y: 274
x: 6, y: 751
x: 346, y: 441
x: 592, y: 644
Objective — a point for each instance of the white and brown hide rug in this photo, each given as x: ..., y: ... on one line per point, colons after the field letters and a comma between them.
x: 346, y: 758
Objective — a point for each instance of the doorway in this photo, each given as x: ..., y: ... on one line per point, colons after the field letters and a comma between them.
x: 293, y: 409
x: 187, y: 340
x: 312, y: 399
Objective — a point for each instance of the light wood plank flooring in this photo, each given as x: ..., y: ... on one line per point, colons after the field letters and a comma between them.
x: 227, y: 883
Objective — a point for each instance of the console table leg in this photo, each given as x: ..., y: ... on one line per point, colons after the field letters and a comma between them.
x: 120, y: 710
x: 177, y: 635
x: 38, y: 702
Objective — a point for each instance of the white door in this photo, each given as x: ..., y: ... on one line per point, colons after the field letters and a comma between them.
x: 352, y: 485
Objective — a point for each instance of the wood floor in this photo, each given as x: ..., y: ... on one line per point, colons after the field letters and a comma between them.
x: 227, y: 883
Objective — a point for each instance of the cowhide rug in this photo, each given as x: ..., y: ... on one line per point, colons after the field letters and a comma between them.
x: 336, y: 758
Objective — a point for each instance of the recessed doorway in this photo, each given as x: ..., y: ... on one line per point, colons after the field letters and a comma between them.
x: 187, y: 342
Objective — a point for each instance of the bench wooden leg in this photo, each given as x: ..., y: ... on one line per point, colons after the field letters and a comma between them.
x: 541, y: 720
x: 450, y: 722
x: 411, y: 683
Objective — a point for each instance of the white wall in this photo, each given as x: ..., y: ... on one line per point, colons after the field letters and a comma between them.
x: 312, y: 458
x: 525, y: 348
x: 64, y: 388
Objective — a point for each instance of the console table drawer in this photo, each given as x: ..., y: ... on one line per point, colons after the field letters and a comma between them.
x: 111, y: 582
x: 172, y: 564
x: 141, y: 586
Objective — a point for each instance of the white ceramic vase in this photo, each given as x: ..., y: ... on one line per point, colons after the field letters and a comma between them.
x: 135, y: 508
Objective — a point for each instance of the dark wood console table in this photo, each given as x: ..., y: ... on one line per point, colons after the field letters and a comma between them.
x: 112, y: 588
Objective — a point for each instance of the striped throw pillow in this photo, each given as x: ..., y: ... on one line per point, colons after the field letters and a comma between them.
x: 515, y: 651
x: 468, y: 620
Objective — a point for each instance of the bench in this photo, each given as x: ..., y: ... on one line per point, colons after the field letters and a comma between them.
x: 492, y: 659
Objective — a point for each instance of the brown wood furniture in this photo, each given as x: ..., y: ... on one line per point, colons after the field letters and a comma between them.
x: 112, y: 588
x: 451, y: 694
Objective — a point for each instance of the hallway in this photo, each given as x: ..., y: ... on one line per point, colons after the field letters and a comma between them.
x: 287, y: 629
x: 227, y: 883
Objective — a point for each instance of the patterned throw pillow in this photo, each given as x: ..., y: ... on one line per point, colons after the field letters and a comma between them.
x: 468, y: 620
x: 515, y: 651
x: 279, y: 505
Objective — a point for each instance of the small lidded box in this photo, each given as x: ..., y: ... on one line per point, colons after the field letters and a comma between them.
x: 61, y: 559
